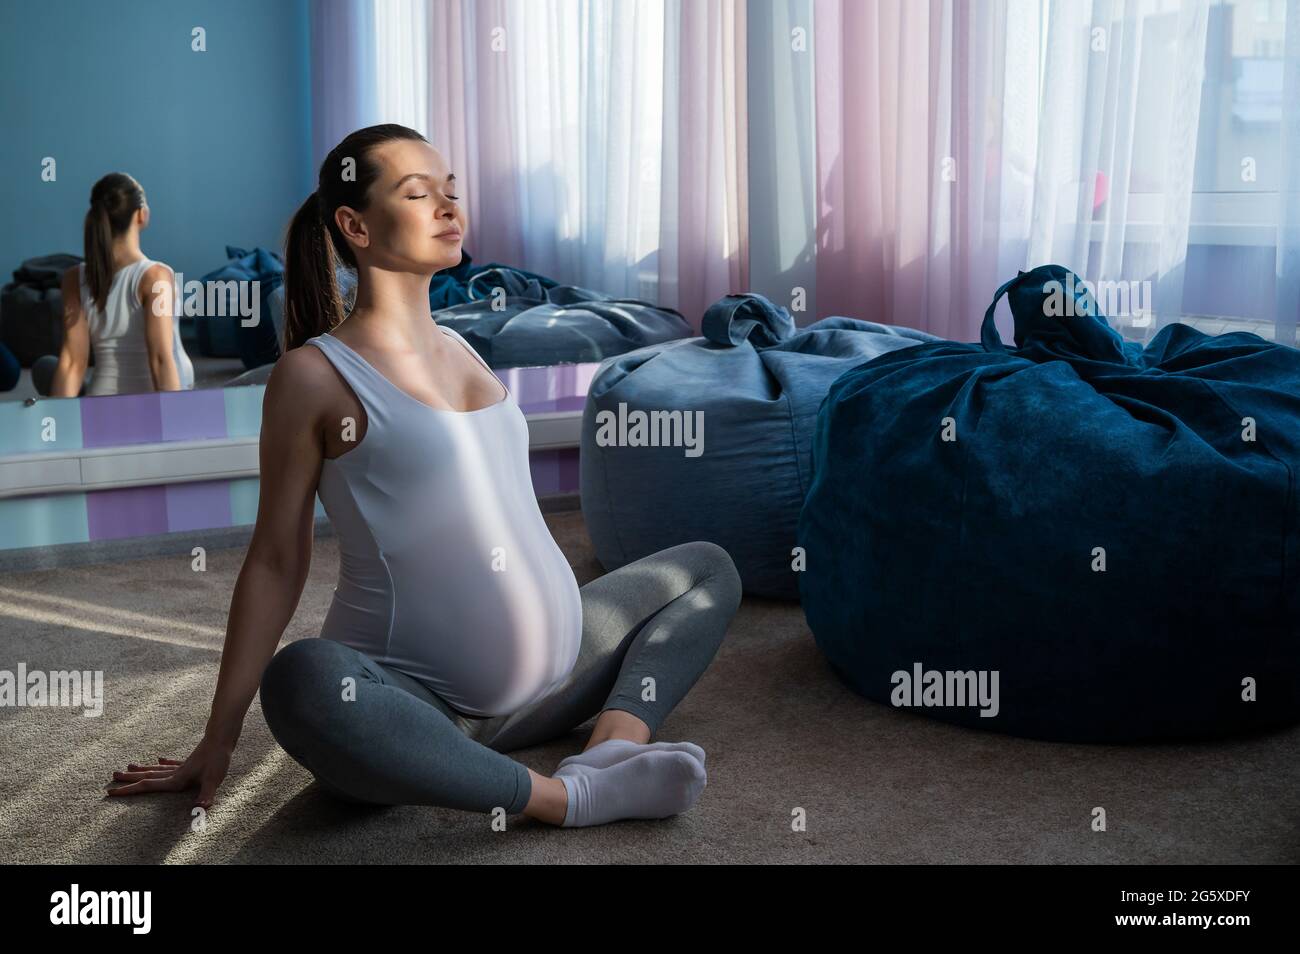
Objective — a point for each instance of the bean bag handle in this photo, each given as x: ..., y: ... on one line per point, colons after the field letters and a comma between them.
x: 735, y: 319
x: 1076, y: 332
x: 989, y: 336
x: 517, y: 284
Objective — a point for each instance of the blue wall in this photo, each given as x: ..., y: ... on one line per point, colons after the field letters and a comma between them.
x: 220, y: 140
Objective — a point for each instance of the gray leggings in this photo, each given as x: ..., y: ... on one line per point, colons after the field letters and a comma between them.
x: 659, y: 618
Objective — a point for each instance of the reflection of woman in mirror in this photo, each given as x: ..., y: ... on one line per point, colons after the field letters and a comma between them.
x: 457, y: 631
x: 120, y: 303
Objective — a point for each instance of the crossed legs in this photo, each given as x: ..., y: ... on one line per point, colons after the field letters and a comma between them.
x: 372, y: 734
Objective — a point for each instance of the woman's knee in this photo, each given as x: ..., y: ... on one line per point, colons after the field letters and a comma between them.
x: 304, y: 696
x: 300, y: 683
x: 717, y: 572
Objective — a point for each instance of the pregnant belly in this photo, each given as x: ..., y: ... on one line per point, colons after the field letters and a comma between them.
x: 489, y: 635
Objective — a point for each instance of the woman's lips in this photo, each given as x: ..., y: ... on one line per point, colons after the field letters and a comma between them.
x: 450, y: 236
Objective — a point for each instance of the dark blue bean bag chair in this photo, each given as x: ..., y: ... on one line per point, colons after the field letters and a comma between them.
x: 227, y: 336
x: 756, y: 384
x: 1114, y: 531
x: 10, y: 370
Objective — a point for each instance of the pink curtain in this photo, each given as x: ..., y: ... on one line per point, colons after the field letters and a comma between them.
x: 704, y: 250
x: 913, y: 227
x: 472, y: 121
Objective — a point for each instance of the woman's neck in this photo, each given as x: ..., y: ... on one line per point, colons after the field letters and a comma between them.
x: 394, y: 306
x: 126, y: 249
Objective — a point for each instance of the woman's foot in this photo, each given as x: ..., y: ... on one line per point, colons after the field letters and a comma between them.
x: 611, y: 751
x: 652, y: 784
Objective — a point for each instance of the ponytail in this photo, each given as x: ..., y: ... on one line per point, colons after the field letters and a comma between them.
x: 314, y: 247
x: 312, y: 303
x: 98, y: 239
x: 114, y: 200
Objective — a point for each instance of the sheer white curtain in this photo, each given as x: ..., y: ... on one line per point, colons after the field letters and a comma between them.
x: 600, y: 142
x: 1149, y: 144
x: 1118, y: 125
x: 401, y: 33
x: 1168, y: 137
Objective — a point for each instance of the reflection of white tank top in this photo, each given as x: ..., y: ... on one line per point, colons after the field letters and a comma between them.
x: 118, y: 335
x: 447, y: 570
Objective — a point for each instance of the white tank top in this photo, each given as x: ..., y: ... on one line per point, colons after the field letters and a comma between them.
x: 447, y: 570
x: 118, y: 335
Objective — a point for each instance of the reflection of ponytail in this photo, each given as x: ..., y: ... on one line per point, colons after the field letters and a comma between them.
x: 314, y: 245
x: 113, y: 203
x: 311, y: 295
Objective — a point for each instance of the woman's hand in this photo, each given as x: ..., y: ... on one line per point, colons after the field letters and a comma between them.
x: 205, y: 768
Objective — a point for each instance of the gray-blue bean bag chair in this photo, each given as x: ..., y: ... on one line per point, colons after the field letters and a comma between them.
x: 514, y: 319
x: 1113, y: 531
x: 754, y: 383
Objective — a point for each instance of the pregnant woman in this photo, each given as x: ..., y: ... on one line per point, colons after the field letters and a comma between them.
x: 457, y: 631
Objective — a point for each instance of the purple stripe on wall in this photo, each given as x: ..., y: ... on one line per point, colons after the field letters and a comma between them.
x: 554, y: 471
x: 569, y: 471
x: 121, y: 419
x: 545, y: 471
x: 129, y: 512
x: 198, y: 505
x: 193, y: 415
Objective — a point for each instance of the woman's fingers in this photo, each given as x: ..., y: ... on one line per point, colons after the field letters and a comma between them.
x: 144, y: 786
x: 136, y: 776
x: 207, y: 789
x: 167, y: 776
x: 163, y: 761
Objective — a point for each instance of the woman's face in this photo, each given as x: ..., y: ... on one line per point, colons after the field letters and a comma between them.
x: 413, y: 222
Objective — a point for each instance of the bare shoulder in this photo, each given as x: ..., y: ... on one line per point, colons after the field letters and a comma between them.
x: 302, y: 385
x: 300, y: 373
x: 155, y: 281
x: 157, y: 272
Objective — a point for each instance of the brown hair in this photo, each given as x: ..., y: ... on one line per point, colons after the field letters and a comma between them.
x: 114, y: 201
x: 314, y: 245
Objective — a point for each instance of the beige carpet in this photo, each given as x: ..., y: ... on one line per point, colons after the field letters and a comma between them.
x: 876, y: 785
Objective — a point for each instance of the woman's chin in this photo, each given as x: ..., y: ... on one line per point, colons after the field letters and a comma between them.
x: 449, y: 259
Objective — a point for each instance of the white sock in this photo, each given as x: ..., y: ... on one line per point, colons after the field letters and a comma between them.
x: 607, y: 753
x: 654, y: 784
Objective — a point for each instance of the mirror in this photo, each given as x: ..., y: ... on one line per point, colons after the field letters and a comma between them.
x: 229, y: 324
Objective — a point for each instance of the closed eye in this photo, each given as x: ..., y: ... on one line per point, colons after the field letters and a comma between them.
x: 424, y: 196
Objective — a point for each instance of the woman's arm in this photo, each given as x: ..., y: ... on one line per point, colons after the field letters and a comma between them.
x: 279, y: 555
x: 70, y: 375
x: 158, y: 295
x: 270, y: 581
